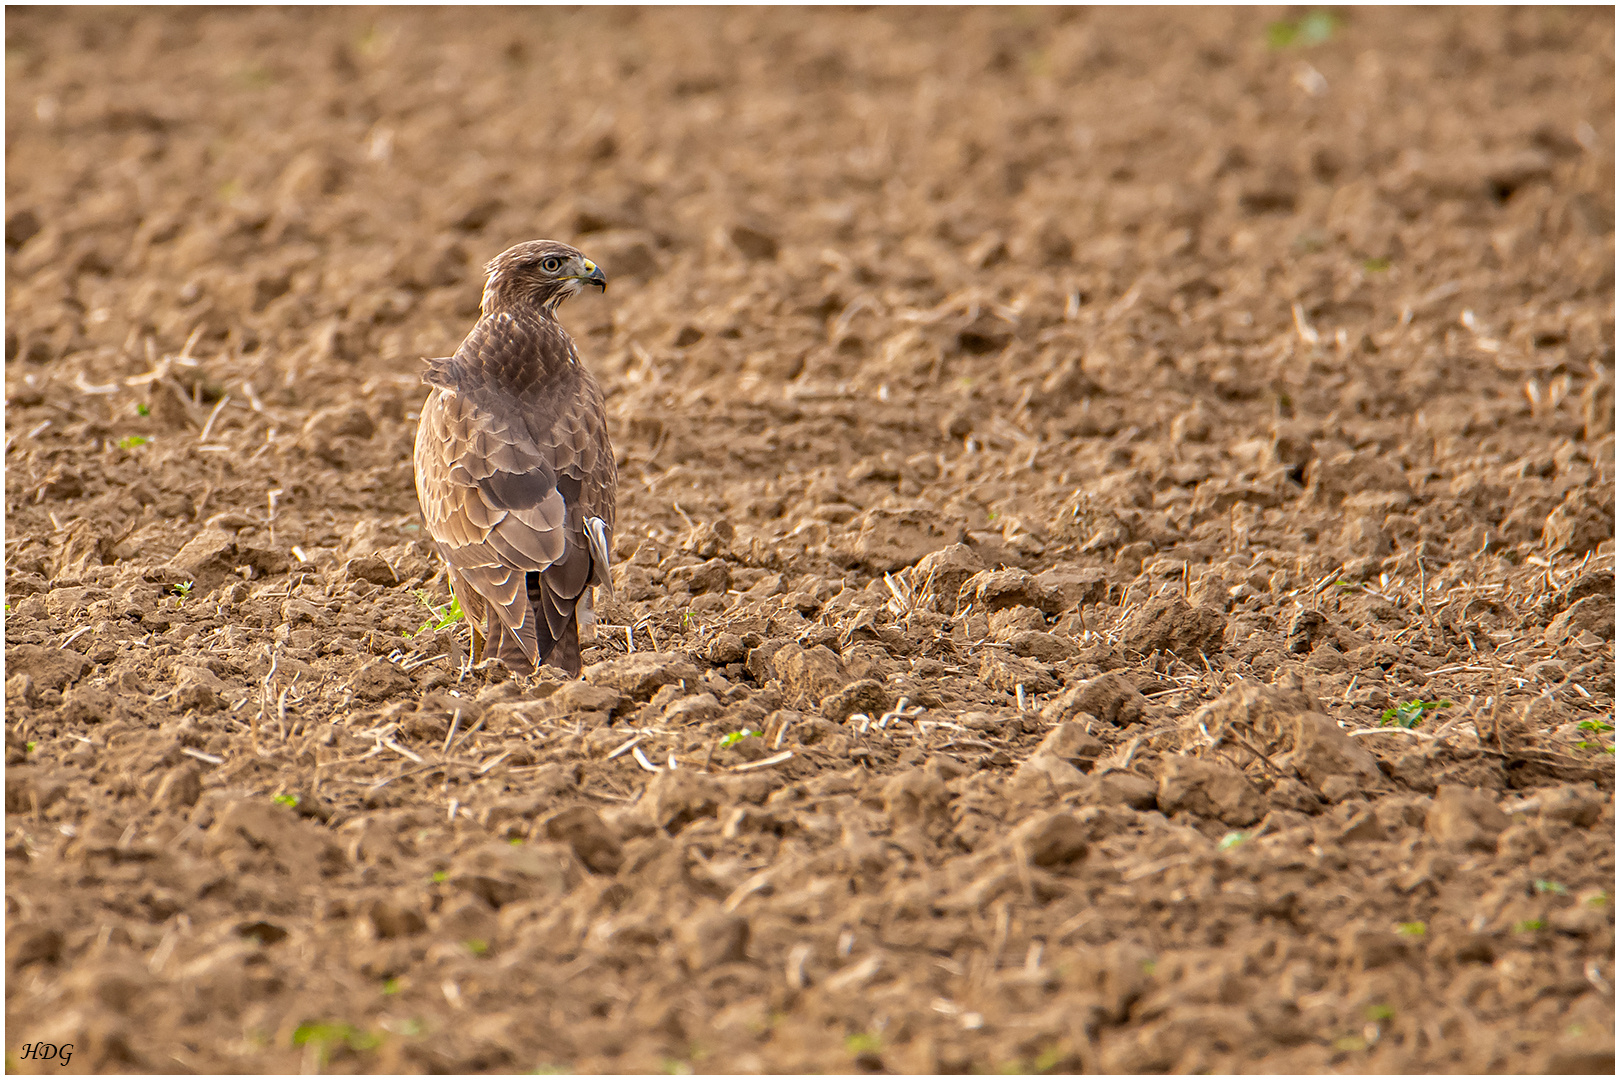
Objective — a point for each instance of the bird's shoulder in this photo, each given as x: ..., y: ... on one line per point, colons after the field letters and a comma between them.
x: 513, y: 349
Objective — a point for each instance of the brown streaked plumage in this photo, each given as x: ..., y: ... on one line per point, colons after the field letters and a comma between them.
x: 513, y: 466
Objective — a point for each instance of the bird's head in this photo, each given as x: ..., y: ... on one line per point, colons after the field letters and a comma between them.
x: 539, y: 274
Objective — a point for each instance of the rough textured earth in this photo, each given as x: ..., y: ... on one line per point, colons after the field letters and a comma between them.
x: 1050, y: 441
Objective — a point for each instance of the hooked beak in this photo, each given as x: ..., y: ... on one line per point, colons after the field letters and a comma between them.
x: 593, y: 276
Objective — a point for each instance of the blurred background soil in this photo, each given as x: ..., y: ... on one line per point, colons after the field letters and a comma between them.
x: 1116, y: 539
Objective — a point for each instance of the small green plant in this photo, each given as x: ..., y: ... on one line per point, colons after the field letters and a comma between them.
x: 255, y: 77
x: 1545, y: 886
x: 1412, y: 713
x: 183, y: 589
x: 324, y: 1036
x: 863, y: 1042
x: 477, y: 946
x: 686, y: 620
x: 285, y: 799
x: 141, y: 409
x: 1049, y: 1059
x: 1232, y: 840
x: 390, y: 986
x: 1375, y: 266
x: 1599, y: 728
x: 737, y: 736
x: 448, y: 615
x: 1313, y: 28
x: 1597, y: 900
x: 1528, y: 926
x: 33, y: 745
x: 1380, y: 1012
x: 1412, y: 929
x: 130, y: 442
x: 440, y: 877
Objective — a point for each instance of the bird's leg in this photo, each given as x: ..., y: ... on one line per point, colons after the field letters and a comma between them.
x: 477, y: 644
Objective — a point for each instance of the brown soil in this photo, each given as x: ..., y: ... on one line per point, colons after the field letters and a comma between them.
x: 1279, y: 379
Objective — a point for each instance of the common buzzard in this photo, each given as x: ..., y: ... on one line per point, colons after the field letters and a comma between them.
x: 513, y: 466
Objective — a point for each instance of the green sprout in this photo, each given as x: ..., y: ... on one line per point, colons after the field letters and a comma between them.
x: 1313, y: 28
x: 1232, y: 840
x: 440, y: 877
x: 737, y: 736
x: 183, y: 589
x: 1596, y: 727
x: 1380, y: 1012
x: 1412, y: 929
x: 130, y: 442
x: 862, y: 1042
x: 33, y: 745
x: 141, y: 409
x: 1598, y: 900
x: 285, y: 799
x: 390, y: 986
x: 1527, y: 926
x: 476, y: 946
x: 1411, y: 713
x: 448, y: 615
x: 1049, y: 1059
x: 1545, y: 886
x: 255, y: 77
x: 324, y: 1036
x: 1375, y: 266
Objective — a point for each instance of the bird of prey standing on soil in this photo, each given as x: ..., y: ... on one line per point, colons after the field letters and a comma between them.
x: 513, y: 466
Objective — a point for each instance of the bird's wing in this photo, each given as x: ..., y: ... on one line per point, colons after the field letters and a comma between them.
x: 500, y: 480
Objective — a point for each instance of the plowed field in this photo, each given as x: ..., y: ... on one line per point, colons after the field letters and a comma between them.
x: 1115, y: 554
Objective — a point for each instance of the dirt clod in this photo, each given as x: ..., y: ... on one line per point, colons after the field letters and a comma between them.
x: 499, y: 873
x: 583, y: 830
x: 1465, y: 818
x: 808, y: 675
x: 1170, y: 624
x: 1111, y: 698
x: 709, y: 940
x: 179, y: 789
x: 1209, y: 789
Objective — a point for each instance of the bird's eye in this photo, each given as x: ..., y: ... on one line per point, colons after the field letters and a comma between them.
x: 551, y: 264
